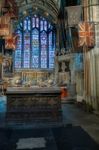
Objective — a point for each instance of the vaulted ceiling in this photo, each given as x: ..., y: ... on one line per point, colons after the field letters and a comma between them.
x: 46, y: 8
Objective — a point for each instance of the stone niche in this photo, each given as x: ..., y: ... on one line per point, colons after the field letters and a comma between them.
x: 64, y: 72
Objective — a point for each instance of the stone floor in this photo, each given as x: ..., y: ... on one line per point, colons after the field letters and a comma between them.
x: 88, y: 121
x: 72, y: 114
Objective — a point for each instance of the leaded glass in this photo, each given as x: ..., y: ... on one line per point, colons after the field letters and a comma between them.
x: 18, y: 50
x: 43, y: 39
x: 51, y: 51
x: 41, y: 25
x: 25, y: 24
x: 35, y: 48
x: 49, y: 25
x: 45, y: 25
x: 26, y: 59
x: 37, y: 22
x: 29, y: 24
x: 35, y: 44
x: 33, y: 22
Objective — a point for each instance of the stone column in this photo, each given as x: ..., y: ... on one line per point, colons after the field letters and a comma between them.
x: 91, y: 14
x: 56, y: 53
x: 56, y: 70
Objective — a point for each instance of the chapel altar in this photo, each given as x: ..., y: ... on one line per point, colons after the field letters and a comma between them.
x: 26, y: 104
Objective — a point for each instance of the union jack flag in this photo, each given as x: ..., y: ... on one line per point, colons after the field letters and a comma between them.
x: 10, y: 42
x: 86, y: 34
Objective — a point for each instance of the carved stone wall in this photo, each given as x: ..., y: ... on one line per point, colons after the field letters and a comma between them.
x: 62, y: 70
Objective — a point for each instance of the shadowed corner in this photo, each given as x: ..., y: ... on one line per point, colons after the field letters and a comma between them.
x: 73, y: 138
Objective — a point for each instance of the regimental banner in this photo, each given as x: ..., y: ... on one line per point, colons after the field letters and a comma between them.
x: 13, y: 11
x: 9, y: 6
x: 86, y: 34
x: 4, y: 25
x: 10, y: 42
x: 73, y: 14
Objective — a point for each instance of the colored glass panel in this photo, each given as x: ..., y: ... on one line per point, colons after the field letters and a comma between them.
x: 26, y: 60
x: 43, y: 40
x: 45, y: 25
x: 51, y: 52
x: 35, y: 48
x: 33, y: 22
x: 37, y: 22
x: 29, y: 24
x: 25, y: 24
x: 41, y: 25
x: 18, y: 54
x: 49, y: 25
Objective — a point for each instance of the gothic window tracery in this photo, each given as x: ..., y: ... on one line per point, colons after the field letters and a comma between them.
x: 35, y: 44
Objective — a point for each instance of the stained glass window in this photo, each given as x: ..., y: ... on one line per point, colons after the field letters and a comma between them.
x: 33, y: 22
x: 51, y: 51
x: 26, y: 62
x: 29, y: 24
x: 25, y: 24
x: 49, y: 25
x: 43, y: 39
x: 18, y: 52
x: 35, y: 44
x: 35, y: 48
x: 45, y: 25
x: 37, y: 22
x: 41, y: 25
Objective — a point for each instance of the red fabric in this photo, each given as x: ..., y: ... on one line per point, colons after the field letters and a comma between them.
x: 86, y: 34
x: 13, y: 8
x: 10, y: 42
x: 64, y: 92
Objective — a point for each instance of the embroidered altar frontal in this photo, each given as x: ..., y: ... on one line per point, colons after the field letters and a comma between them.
x: 33, y: 104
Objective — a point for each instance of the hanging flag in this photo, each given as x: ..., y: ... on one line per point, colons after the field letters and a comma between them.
x: 12, y: 14
x: 10, y: 42
x: 4, y: 25
x: 13, y: 9
x: 73, y: 14
x: 86, y: 34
